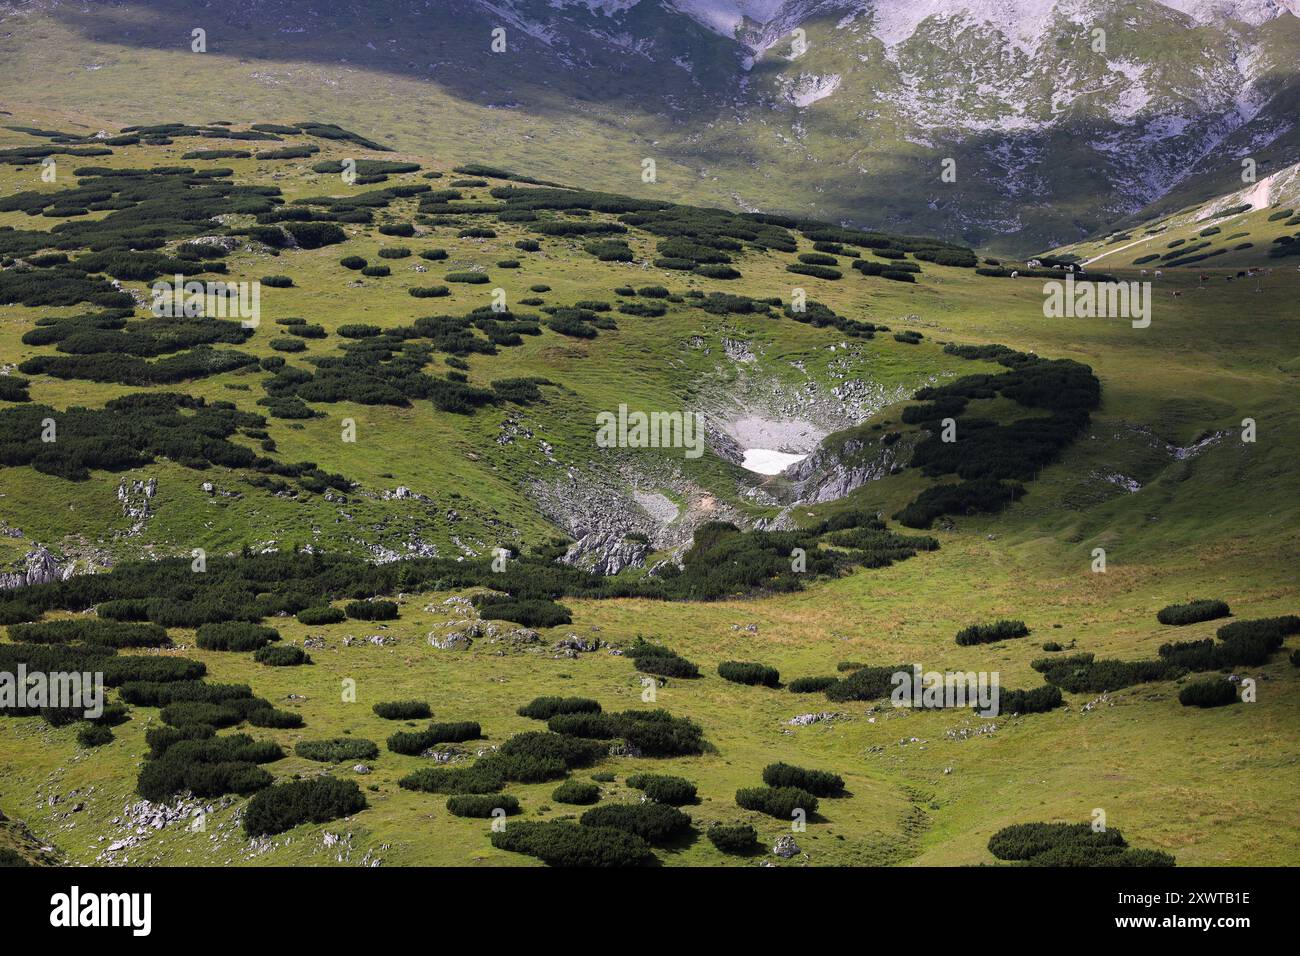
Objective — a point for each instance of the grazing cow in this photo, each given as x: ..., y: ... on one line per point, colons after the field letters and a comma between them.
x: 1015, y: 274
x: 1241, y: 273
x: 1159, y: 273
x: 1177, y: 294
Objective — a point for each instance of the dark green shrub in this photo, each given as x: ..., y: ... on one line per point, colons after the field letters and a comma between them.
x: 403, y: 710
x: 817, y: 272
x: 473, y: 278
x: 559, y: 843
x: 529, y: 613
x: 473, y: 779
x: 286, y: 805
x: 650, y: 658
x: 544, y: 708
x: 429, y: 292
x: 1193, y: 612
x: 160, y: 738
x: 315, y: 616
x: 865, y: 683
x: 482, y: 805
x: 1214, y: 692
x: 541, y: 752
x: 1080, y: 674
x: 1075, y: 856
x: 93, y: 735
x: 661, y: 788
x: 352, y: 262
x: 656, y: 823
x: 780, y: 802
x: 91, y: 631
x: 337, y: 749
x: 1265, y: 628
x: 376, y: 272
x: 417, y: 742
x: 1036, y: 701
x: 278, y: 719
x: 281, y: 655
x: 235, y: 636
x: 818, y: 782
x: 651, y: 733
x: 371, y: 610
x: 394, y: 252
x: 710, y: 271
x: 314, y: 235
x: 577, y: 792
x: 989, y: 633
x: 742, y: 672
x: 1026, y: 840
x: 277, y: 282
x: 733, y: 838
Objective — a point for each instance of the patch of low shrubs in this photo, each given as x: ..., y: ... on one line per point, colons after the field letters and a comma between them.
x: 476, y: 778
x: 1215, y: 692
x: 559, y: 843
x: 281, y: 655
x: 287, y: 805
x: 1193, y: 612
x: 662, y: 788
x: 733, y: 838
x: 651, y: 658
x: 337, y: 749
x: 482, y: 805
x: 1082, y: 674
x: 1070, y: 844
x: 651, y: 733
x: 413, y: 743
x: 235, y: 636
x: 92, y: 734
x: 544, y: 708
x: 865, y: 683
x: 990, y: 633
x: 743, y: 672
x: 820, y: 783
x: 779, y: 802
x: 315, y: 616
x: 656, y: 823
x: 576, y: 792
x: 371, y: 610
x: 403, y: 710
x: 1036, y: 701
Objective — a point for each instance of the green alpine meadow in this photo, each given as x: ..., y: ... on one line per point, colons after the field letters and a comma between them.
x: 649, y: 433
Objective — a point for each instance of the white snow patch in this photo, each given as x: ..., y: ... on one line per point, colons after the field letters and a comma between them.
x: 765, y: 461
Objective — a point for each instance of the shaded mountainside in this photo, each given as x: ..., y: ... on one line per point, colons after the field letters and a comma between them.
x: 840, y: 109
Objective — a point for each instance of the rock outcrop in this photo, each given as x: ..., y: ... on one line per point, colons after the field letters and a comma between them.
x: 41, y: 567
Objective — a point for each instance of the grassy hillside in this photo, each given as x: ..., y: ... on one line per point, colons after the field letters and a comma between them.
x: 1212, y: 518
x: 1255, y: 226
x: 1051, y: 142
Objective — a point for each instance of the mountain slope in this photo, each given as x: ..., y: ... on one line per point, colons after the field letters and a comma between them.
x: 1159, y: 477
x: 849, y: 119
